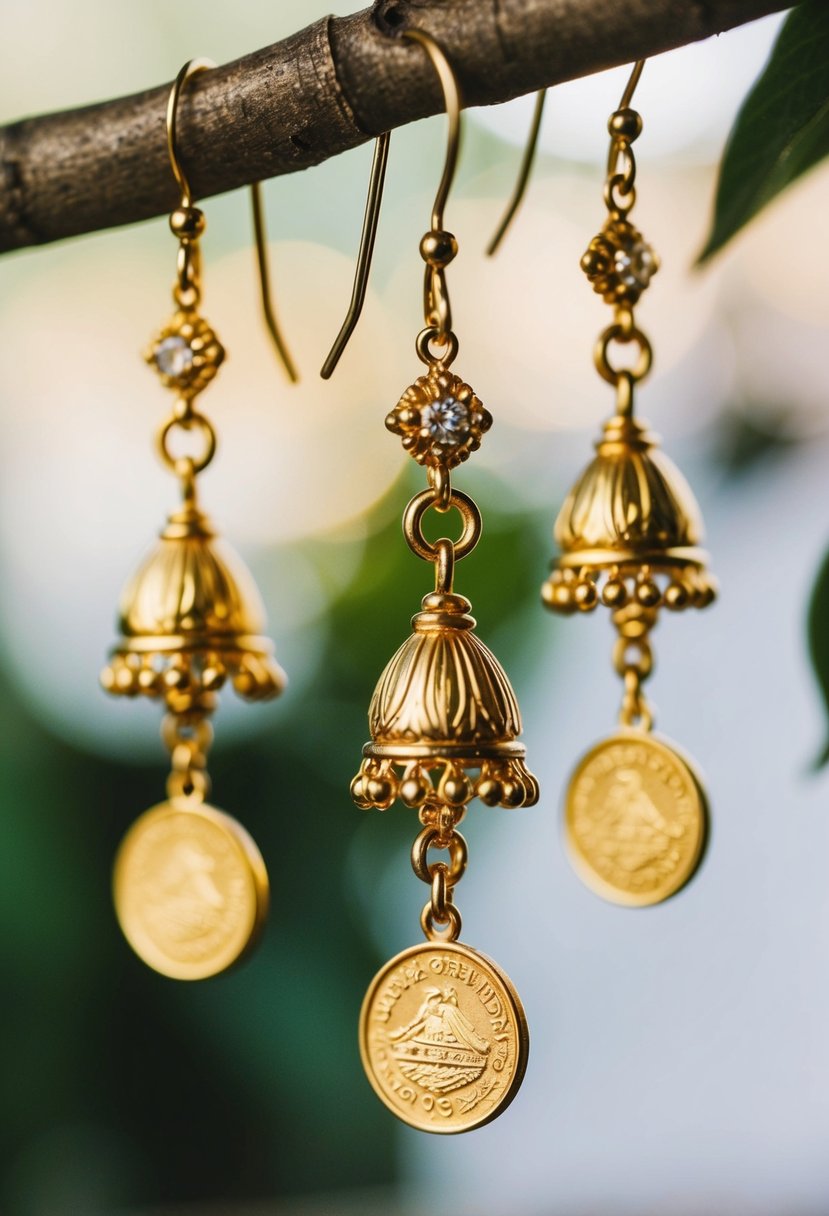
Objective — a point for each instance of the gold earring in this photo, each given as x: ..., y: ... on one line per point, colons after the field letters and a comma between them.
x: 629, y: 534
x: 443, y: 1037
x: 190, y: 886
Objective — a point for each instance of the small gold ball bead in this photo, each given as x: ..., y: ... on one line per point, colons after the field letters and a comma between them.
x: 456, y: 791
x: 512, y: 794
x: 489, y: 791
x: 625, y: 124
x: 615, y: 593
x: 378, y: 789
x: 706, y: 595
x: 187, y: 223
x: 586, y: 595
x: 562, y: 598
x: 413, y: 792
x: 676, y: 597
x: 648, y: 594
x: 438, y: 248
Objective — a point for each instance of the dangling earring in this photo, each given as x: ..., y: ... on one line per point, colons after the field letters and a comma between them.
x: 190, y: 886
x: 443, y: 1036
x: 629, y: 531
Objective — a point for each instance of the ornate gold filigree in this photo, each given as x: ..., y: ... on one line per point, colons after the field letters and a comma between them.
x: 440, y: 419
x: 619, y: 263
x: 186, y: 354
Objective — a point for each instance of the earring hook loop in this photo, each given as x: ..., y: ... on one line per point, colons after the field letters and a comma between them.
x: 453, y: 105
x: 190, y: 69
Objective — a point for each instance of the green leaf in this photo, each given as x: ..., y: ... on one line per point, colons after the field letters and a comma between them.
x: 782, y: 128
x: 818, y: 628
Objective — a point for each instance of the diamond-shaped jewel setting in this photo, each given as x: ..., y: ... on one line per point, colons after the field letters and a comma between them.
x: 619, y: 263
x: 186, y: 354
x: 439, y: 419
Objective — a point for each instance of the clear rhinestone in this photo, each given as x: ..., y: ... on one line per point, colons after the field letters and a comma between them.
x: 635, y: 266
x: 446, y: 421
x: 174, y: 356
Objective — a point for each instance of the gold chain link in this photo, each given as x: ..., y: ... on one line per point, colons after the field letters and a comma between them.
x: 187, y: 737
x: 440, y: 919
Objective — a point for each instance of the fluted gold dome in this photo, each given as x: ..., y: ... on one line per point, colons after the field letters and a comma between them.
x: 191, y: 618
x: 192, y: 586
x: 630, y: 502
x: 444, y: 702
x: 631, y: 514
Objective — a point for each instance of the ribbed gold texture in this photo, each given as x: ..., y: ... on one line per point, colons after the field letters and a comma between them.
x: 444, y: 720
x: 630, y: 516
x: 192, y: 618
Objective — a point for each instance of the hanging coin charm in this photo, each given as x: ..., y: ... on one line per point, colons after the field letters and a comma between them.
x: 629, y: 535
x: 190, y: 886
x: 443, y: 1036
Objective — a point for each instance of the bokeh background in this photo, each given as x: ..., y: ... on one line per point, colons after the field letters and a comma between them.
x: 679, y: 1057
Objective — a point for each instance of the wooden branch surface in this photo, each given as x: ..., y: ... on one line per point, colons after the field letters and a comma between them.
x: 320, y: 92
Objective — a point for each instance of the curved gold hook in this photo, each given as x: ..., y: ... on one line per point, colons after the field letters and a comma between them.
x: 191, y: 68
x: 520, y: 187
x: 527, y: 159
x: 453, y: 105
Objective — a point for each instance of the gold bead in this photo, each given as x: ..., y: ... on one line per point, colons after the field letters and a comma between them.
x: 615, y: 593
x: 586, y: 595
x: 455, y: 790
x: 676, y: 596
x: 512, y: 794
x: 648, y: 593
x: 489, y: 791
x: 625, y: 124
x: 594, y: 262
x: 187, y: 223
x: 413, y: 792
x: 438, y: 248
x: 379, y: 790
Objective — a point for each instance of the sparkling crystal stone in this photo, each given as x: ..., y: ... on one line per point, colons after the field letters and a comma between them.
x: 173, y: 356
x: 446, y: 421
x: 636, y: 265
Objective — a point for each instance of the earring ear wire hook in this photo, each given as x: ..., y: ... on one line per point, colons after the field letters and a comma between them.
x: 190, y: 69
x: 520, y: 187
x: 453, y: 105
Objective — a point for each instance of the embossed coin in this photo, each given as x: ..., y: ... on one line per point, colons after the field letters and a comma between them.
x: 443, y: 1037
x: 636, y: 819
x: 190, y: 889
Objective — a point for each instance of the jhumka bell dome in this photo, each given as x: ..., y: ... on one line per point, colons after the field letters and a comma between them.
x: 191, y: 618
x: 444, y: 702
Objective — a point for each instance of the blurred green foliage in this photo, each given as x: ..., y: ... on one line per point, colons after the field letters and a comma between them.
x: 782, y: 129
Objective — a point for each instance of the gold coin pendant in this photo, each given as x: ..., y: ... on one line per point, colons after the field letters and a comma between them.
x: 443, y: 1037
x: 636, y: 819
x: 190, y: 889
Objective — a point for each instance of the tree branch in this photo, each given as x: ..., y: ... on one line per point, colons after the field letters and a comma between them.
x: 320, y: 92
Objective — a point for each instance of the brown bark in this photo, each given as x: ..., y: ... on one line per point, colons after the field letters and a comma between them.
x: 320, y: 92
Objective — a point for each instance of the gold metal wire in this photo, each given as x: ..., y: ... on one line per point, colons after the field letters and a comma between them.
x: 191, y: 260
x: 525, y: 169
x: 453, y: 105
